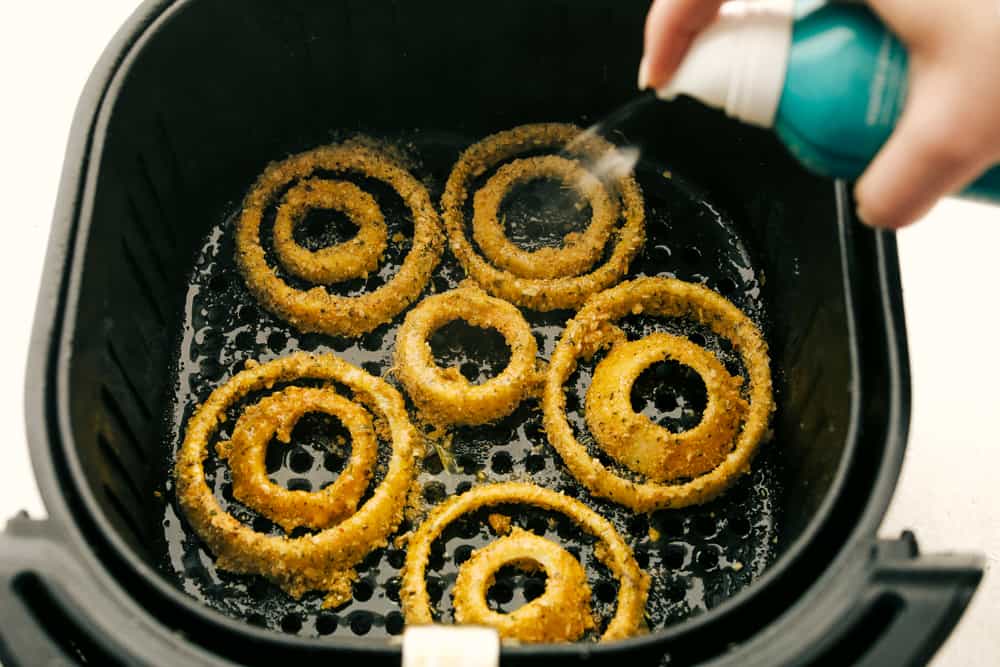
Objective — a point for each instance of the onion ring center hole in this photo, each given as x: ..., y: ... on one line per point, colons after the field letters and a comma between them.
x: 317, y: 453
x: 541, y: 212
x: 514, y: 587
x: 478, y: 354
x: 322, y: 228
x: 671, y: 395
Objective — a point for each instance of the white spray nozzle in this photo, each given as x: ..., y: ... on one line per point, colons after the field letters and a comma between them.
x: 738, y: 64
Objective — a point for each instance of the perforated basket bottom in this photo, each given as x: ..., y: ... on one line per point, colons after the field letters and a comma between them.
x: 697, y: 557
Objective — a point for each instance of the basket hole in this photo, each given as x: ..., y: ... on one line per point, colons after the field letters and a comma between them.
x: 691, y: 254
x: 432, y: 464
x: 291, y: 624
x: 671, y: 526
x: 708, y: 558
x: 739, y: 526
x: 697, y: 339
x: 463, y: 487
x: 245, y: 340
x: 310, y: 342
x: 262, y: 525
x: 705, y: 526
x: 326, y: 624
x: 435, y: 589
x: 571, y: 491
x: 534, y: 463
x: 300, y: 460
x: 676, y: 590
x: 534, y: 586
x: 462, y: 554
x: 372, y: 368
x: 396, y: 558
x: 467, y: 527
x: 299, y: 484
x: 537, y: 525
x: 276, y: 341
x: 257, y: 620
x: 363, y: 590
x: 434, y: 492
x: 247, y: 315
x: 394, y: 623
x: 675, y: 556
x: 727, y: 286
x: 606, y: 591
x: 638, y: 526
x: 220, y: 282
x: 361, y: 622
x: 502, y: 463
x: 392, y: 587
x: 500, y: 593
x: 467, y: 464
x: 373, y: 341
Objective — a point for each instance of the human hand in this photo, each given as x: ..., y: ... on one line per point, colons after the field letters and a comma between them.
x: 949, y: 132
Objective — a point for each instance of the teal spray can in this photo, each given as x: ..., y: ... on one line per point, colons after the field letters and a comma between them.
x: 830, y: 79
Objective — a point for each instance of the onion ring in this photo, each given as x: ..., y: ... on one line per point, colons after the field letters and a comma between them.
x: 662, y: 297
x: 444, y: 396
x: 277, y: 415
x: 561, y: 614
x: 637, y: 442
x: 535, y: 293
x: 322, y: 561
x: 613, y: 552
x: 580, y: 250
x: 316, y: 310
x: 353, y: 259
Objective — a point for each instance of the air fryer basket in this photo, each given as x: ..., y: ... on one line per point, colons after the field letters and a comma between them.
x: 195, y: 97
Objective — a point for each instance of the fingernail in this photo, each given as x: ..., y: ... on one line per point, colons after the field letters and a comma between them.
x: 644, y: 73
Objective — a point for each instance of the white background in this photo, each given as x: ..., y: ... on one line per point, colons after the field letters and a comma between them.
x: 949, y: 492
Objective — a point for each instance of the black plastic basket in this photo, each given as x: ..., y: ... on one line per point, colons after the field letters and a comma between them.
x: 193, y: 97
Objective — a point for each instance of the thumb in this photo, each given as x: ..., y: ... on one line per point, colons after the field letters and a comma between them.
x: 928, y: 156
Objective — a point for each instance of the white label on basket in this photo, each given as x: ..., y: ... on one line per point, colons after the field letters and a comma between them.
x: 450, y: 646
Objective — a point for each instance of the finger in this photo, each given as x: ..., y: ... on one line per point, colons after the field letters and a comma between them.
x: 671, y: 26
x: 924, y: 160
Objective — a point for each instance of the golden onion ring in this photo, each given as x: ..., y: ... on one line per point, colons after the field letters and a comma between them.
x: 316, y: 310
x: 277, y: 415
x: 539, y: 294
x: 580, y: 250
x: 561, y: 614
x: 612, y: 551
x: 353, y: 259
x: 444, y: 396
x: 662, y: 297
x: 323, y: 561
x: 646, y: 447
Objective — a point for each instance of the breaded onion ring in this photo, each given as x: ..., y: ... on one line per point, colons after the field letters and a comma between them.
x: 316, y: 310
x: 612, y: 551
x: 323, y: 561
x: 561, y: 614
x: 530, y: 292
x: 662, y: 297
x: 277, y: 415
x: 353, y: 259
x: 444, y: 396
x: 646, y: 447
x: 579, y: 252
